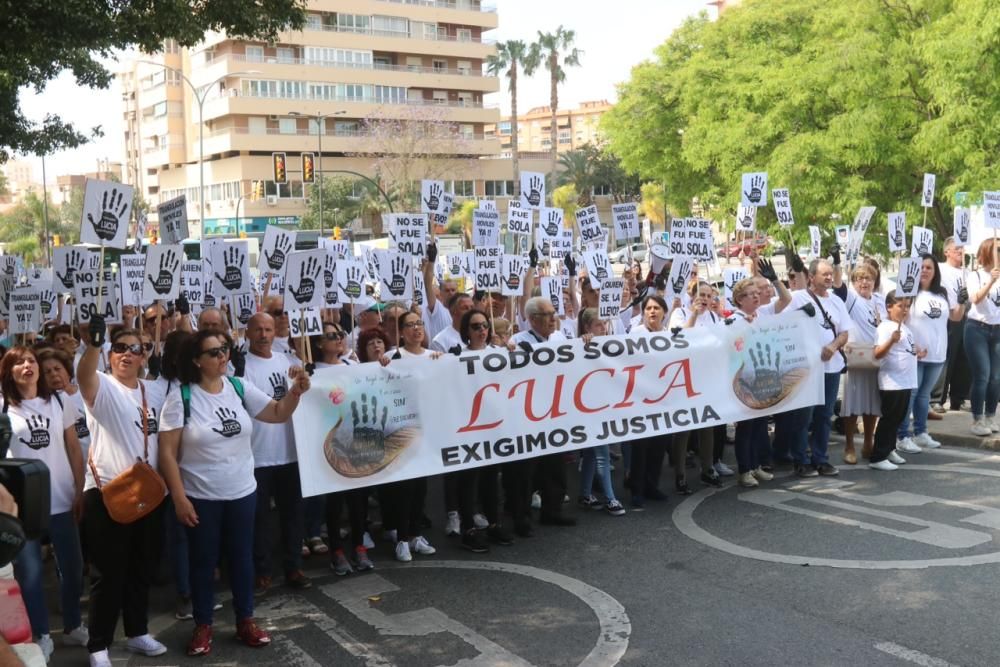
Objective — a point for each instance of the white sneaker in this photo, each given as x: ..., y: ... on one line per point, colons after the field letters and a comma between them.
x: 403, y: 552
x: 925, y: 441
x: 907, y: 446
x: 723, y: 469
x: 480, y: 521
x: 761, y: 474
x: 981, y: 428
x: 77, y: 636
x: 884, y: 464
x: 100, y: 659
x: 420, y: 545
x: 390, y: 535
x: 453, y: 526
x: 896, y: 458
x: 536, y: 501
x: 146, y: 645
x: 367, y: 541
x: 748, y: 480
x: 992, y: 423
x: 45, y: 643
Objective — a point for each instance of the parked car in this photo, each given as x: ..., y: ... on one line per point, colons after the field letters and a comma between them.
x: 745, y: 247
x: 620, y: 256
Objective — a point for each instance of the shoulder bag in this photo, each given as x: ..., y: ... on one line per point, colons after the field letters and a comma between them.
x: 829, y: 323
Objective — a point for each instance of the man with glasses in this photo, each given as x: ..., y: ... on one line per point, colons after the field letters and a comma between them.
x: 275, y: 462
x: 458, y: 306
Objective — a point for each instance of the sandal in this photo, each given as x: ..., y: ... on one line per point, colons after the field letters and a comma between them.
x: 850, y: 457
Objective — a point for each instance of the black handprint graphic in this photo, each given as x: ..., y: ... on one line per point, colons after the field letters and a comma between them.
x: 897, y: 236
x: 454, y: 264
x: 433, y: 201
x: 909, y: 282
x: 766, y: 383
x: 81, y: 427
x: 513, y: 280
x: 933, y: 310
x: 368, y: 445
x: 329, y: 266
x: 227, y: 419
x: 552, y: 223
x: 677, y: 286
x: 165, y: 278
x: 922, y: 248
x: 733, y: 279
x: 234, y: 261
x: 279, y: 386
x: 554, y: 298
x: 245, y: 307
x: 534, y: 195
x: 152, y: 425
x: 308, y: 273
x: 601, y: 267
x: 400, y: 272
x: 746, y: 222
x: 276, y: 260
x: 112, y: 212
x: 9, y: 265
x: 48, y: 301
x: 39, y: 438
x: 74, y: 262
x: 352, y: 286
x: 995, y: 297
x: 756, y: 190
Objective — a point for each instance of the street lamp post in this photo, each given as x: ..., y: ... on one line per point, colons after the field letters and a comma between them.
x: 320, y: 119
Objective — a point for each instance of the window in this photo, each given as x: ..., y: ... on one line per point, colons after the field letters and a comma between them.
x: 257, y: 125
x: 286, y: 55
x: 499, y: 188
x: 565, y: 137
x: 395, y: 26
x: 440, y: 65
x: 414, y: 63
x: 351, y: 91
x: 322, y: 91
x: 440, y: 97
x: 467, y: 131
x: 390, y: 94
x: 602, y: 190
x: 464, y: 35
x: 316, y: 55
x: 160, y: 109
x: 314, y: 22
x: 382, y: 62
x: 255, y: 54
x: 288, y: 126
x: 465, y: 67
x: 170, y: 46
x: 345, y: 128
x: 353, y: 23
x: 430, y: 31
x: 464, y: 188
x: 465, y: 99
x: 504, y: 127
x: 546, y: 143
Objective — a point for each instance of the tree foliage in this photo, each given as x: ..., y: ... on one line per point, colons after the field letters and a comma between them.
x: 844, y: 103
x: 589, y: 167
x: 44, y: 37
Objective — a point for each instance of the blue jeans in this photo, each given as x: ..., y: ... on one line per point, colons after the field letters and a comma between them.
x: 920, y: 399
x: 313, y: 510
x: 177, y: 541
x: 819, y: 436
x: 982, y: 347
x: 29, y: 571
x: 596, y: 459
x: 229, y: 523
x: 752, y: 444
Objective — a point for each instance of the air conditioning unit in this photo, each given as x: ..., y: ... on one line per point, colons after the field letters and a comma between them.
x: 272, y: 200
x: 273, y: 116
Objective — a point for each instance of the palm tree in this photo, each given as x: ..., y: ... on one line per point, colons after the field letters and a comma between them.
x: 549, y: 47
x: 578, y: 171
x: 509, y: 56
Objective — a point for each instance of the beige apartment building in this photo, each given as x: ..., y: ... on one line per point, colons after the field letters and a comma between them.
x: 574, y: 128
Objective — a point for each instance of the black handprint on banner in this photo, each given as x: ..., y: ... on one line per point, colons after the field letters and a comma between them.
x: 48, y: 301
x: 308, y: 273
x: 909, y: 282
x: 433, y: 201
x: 368, y: 446
x: 39, y: 437
x: 112, y: 212
x: 227, y: 419
x: 897, y: 236
x: 601, y: 267
x: 279, y: 385
x: 534, y: 196
x: 75, y: 261
x: 276, y: 260
x: 352, y: 285
x: 552, y: 223
x: 756, y: 190
x: 245, y: 307
x: 165, y: 278
x: 234, y: 261
x: 400, y: 272
x: 329, y: 267
x: 766, y: 384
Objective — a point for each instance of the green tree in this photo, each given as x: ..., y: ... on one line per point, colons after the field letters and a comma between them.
x: 44, y: 38
x: 25, y: 228
x: 338, y: 193
x: 577, y: 170
x: 512, y: 59
x: 568, y: 199
x: 556, y: 51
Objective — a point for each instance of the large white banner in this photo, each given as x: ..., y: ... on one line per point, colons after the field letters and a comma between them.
x: 367, y: 424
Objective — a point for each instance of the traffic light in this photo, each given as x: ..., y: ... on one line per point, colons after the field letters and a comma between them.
x: 256, y: 190
x: 308, y: 172
x: 336, y: 233
x: 280, y: 176
x: 56, y: 240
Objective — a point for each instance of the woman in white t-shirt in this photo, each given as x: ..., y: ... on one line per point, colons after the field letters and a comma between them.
x: 207, y: 461
x: 982, y: 341
x: 861, y: 397
x: 44, y: 428
x: 897, y: 377
x: 57, y: 368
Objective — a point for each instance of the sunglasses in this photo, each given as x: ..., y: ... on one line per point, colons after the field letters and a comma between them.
x: 414, y: 325
x: 122, y: 348
x: 220, y: 351
x: 480, y: 326
x: 335, y: 335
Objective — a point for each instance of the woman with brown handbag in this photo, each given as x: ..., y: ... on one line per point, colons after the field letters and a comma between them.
x: 861, y: 397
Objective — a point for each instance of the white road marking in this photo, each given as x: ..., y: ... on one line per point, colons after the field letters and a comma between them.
x: 908, y: 654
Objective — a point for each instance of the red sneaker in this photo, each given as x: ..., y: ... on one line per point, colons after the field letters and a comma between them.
x: 201, y: 641
x: 248, y: 632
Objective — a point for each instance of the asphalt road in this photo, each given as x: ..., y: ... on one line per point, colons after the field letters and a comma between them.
x: 869, y: 569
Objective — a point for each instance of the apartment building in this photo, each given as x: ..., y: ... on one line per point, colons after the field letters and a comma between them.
x: 575, y: 128
x: 355, y: 59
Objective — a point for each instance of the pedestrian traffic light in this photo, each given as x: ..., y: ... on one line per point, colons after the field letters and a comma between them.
x: 308, y: 172
x: 336, y: 233
x: 56, y: 240
x: 280, y: 176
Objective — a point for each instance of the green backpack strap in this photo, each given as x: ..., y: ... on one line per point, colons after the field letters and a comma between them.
x: 186, y: 396
x: 238, y: 388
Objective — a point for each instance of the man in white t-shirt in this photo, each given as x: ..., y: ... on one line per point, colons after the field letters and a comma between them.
x: 275, y: 307
x: 275, y: 462
x: 954, y: 383
x: 460, y: 304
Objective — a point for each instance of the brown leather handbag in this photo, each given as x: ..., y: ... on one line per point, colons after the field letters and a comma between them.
x: 137, y: 491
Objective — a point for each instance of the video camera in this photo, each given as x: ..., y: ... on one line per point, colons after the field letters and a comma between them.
x: 27, y: 480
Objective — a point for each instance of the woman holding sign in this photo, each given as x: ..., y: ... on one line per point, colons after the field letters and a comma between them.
x: 982, y: 340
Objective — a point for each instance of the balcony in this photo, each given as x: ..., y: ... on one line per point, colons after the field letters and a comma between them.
x: 463, y: 5
x: 370, y: 39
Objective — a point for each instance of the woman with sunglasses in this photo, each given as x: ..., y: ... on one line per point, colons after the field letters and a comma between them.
x: 44, y: 428
x: 122, y: 412
x: 207, y: 461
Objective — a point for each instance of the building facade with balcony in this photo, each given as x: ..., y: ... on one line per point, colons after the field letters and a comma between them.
x: 574, y: 128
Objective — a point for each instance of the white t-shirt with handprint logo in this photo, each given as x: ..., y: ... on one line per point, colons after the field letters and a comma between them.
x: 216, y: 455
x: 273, y: 444
x: 39, y: 433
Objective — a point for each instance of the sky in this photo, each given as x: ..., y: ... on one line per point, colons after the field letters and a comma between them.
x: 613, y: 38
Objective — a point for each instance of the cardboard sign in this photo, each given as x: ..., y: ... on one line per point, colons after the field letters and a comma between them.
x: 419, y: 288
x: 680, y: 274
x: 455, y: 265
x: 589, y: 224
x: 519, y: 221
x: 927, y: 194
x: 49, y: 304
x: 691, y: 237
x: 230, y: 267
x: 532, y: 190
x: 815, y: 241
x: 783, y: 207
x: 350, y: 280
x: 330, y: 295
x: 991, y: 209
x: 746, y: 218
x: 192, y: 281
x: 162, y: 278
x: 731, y: 276
x: 303, y: 279
x: 245, y: 307
x: 408, y: 233
x: 173, y: 220
x: 10, y: 266
x: 431, y: 193
x: 342, y: 249
x: 485, y: 228
x: 626, y: 221
x: 922, y: 241
x: 106, y: 209
x: 512, y: 275
x: 273, y: 252
x: 25, y: 305
x: 550, y: 221
x: 908, y: 280
x: 960, y: 226
x: 551, y: 289
x: 303, y: 323
x: 609, y: 300
x: 598, y: 266
x: 487, y: 205
x: 488, y: 268
x: 394, y: 274
x: 131, y: 273
x: 85, y: 292
x: 857, y: 233
x: 66, y: 261
x: 754, y: 190
x: 561, y: 245
x: 843, y: 235
x: 896, y: 230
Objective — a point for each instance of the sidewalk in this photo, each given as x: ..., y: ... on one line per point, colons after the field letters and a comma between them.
x: 953, y: 430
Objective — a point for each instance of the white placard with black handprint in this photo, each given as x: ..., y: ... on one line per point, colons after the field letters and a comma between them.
x: 66, y: 261
x: 431, y: 196
x: 40, y: 278
x: 49, y: 304
x: 455, y: 265
x: 131, y: 273
x: 746, y: 218
x: 858, y: 230
x: 331, y: 298
x: 487, y: 205
x: 419, y: 287
x: 550, y: 222
x: 273, y: 252
x: 192, y: 281
x: 626, y: 221
x: 305, y: 323
x: 551, y: 289
x: 960, y: 225
x: 754, y: 190
x: 173, y: 220
x: 908, y: 280
x: 519, y: 220
x: 680, y: 274
x: 991, y: 209
x: 340, y: 248
x: 469, y: 265
x: 304, y: 279
x: 106, y: 208
x: 815, y: 242
x: 609, y: 301
x: 85, y: 292
x: 532, y: 190
x: 11, y: 266
x: 210, y: 290
x: 394, y: 276
x: 485, y: 228
x: 927, y: 194
x: 231, y: 268
x: 161, y: 279
x: 896, y: 229
x: 598, y: 266
x: 245, y: 307
x: 589, y: 223
x: 25, y: 305
x: 512, y: 275
x: 783, y: 207
x: 488, y: 267
x: 731, y: 276
x: 350, y: 279
x: 922, y: 241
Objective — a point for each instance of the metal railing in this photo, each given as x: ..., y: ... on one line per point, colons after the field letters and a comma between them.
x: 300, y: 132
x: 368, y: 30
x: 457, y: 104
x: 339, y: 64
x: 466, y: 5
